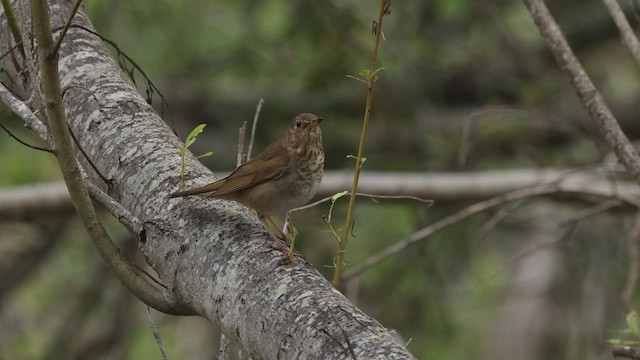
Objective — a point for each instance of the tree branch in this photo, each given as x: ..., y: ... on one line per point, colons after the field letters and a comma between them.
x: 54, y: 110
x: 629, y: 38
x: 22, y: 110
x: 591, y: 99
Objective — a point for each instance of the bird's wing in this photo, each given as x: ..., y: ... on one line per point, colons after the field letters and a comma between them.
x: 271, y: 163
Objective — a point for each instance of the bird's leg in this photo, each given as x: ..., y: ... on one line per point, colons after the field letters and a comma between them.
x: 279, y: 242
x: 278, y: 233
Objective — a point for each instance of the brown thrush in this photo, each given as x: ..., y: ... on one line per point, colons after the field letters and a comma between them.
x: 283, y: 176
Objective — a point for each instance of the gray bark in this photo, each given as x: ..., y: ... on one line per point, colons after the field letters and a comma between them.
x: 214, y: 256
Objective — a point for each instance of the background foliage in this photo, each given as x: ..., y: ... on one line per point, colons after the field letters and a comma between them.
x: 450, y: 67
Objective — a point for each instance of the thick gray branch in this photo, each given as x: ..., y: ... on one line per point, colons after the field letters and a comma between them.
x: 213, y: 256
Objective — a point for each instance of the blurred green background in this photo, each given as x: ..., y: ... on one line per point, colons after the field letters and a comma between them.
x: 450, y: 66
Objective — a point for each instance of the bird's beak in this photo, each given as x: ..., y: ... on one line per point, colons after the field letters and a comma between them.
x: 318, y: 121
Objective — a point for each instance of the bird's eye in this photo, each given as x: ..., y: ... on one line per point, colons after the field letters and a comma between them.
x: 298, y: 124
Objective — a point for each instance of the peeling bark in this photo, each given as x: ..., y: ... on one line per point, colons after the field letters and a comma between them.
x: 214, y: 256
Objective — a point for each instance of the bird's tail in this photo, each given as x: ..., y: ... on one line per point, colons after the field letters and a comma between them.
x: 206, y: 190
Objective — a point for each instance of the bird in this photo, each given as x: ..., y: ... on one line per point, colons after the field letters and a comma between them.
x: 283, y: 176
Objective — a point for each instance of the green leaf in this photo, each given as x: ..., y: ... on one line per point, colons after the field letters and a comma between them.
x: 293, y: 232
x: 365, y: 73
x: 207, y: 154
x: 193, y: 134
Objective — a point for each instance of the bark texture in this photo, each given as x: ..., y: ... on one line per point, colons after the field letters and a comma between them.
x: 214, y: 256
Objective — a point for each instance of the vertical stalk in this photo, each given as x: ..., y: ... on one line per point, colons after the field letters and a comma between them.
x: 371, y: 79
x: 13, y: 24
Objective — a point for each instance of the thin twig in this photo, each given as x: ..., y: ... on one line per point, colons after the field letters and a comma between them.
x: 25, y: 143
x: 567, y: 227
x: 396, y: 197
x: 86, y: 156
x: 152, y: 278
x: 241, y: 136
x: 253, y: 127
x: 156, y: 333
x: 73, y: 136
x: 469, y: 211
x: 591, y: 211
x: 564, y: 235
x: 66, y: 26
x: 121, y: 54
x: 23, y: 111
x: 629, y: 38
x: 124, y: 216
x: 495, y: 220
x: 10, y: 50
x: 371, y: 196
x: 344, y: 333
x: 151, y: 87
x: 332, y: 337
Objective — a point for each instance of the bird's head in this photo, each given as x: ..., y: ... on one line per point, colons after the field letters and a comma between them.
x: 304, y: 131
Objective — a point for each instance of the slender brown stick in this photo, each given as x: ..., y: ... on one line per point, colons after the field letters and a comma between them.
x: 23, y: 142
x: 598, y: 110
x: 629, y: 38
x: 86, y: 157
x: 156, y: 333
x: 65, y: 28
x: 371, y: 79
x: 253, y: 128
x: 23, y: 111
x: 241, y: 135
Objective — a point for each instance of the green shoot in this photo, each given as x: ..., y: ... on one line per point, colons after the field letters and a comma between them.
x: 630, y: 335
x: 190, y: 140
